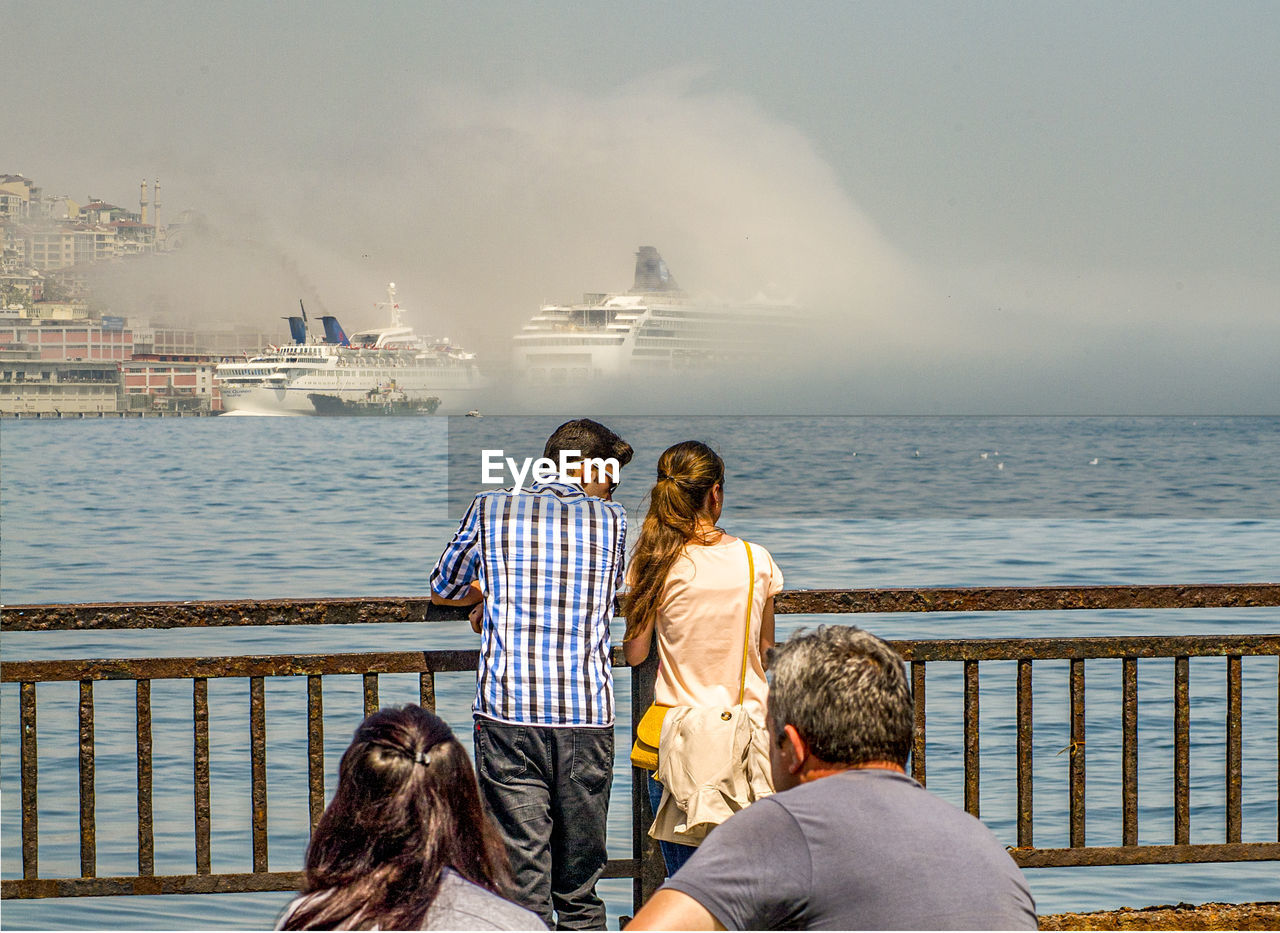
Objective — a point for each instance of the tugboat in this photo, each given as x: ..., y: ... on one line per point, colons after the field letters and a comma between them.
x: 384, y: 400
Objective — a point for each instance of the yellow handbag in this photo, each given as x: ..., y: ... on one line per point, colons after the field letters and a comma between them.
x: 644, y: 753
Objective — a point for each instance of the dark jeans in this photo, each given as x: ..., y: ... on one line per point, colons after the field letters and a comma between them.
x: 675, y: 854
x: 548, y: 791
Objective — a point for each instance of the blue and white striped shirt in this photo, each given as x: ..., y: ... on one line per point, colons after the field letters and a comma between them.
x: 550, y: 560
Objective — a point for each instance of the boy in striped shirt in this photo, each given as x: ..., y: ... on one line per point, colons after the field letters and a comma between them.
x: 542, y: 565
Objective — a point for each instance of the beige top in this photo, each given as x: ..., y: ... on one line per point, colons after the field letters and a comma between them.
x: 700, y: 627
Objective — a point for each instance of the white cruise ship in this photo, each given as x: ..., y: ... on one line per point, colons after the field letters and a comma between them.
x: 379, y: 360
x: 654, y: 327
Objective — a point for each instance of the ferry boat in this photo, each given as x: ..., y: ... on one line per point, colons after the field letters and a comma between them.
x: 654, y: 327
x: 282, y: 379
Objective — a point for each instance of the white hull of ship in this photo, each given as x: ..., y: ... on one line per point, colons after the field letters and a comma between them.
x: 719, y: 336
x: 292, y: 399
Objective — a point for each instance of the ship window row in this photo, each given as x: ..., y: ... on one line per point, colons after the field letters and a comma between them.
x: 672, y: 342
x: 561, y: 374
x: 687, y: 323
x: 564, y: 358
x: 573, y: 341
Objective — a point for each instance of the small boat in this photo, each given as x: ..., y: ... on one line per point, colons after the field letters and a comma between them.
x: 474, y: 413
x: 375, y: 403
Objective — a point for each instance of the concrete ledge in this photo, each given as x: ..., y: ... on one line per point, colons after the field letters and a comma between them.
x: 1263, y: 915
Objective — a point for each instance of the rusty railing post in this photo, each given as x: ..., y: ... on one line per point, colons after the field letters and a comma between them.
x: 30, y: 763
x: 651, y: 869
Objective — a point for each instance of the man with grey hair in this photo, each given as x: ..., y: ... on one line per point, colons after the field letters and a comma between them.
x: 849, y: 841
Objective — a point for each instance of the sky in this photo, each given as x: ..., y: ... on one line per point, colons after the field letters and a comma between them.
x: 981, y: 208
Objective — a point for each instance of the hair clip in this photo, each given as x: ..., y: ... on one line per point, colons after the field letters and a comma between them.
x: 422, y: 758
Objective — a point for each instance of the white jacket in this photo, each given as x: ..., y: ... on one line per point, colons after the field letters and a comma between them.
x: 712, y: 762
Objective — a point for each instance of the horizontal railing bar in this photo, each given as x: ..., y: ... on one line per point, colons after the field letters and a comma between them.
x: 200, y: 614
x: 1057, y: 649
x: 1029, y: 598
x: 1146, y: 855
x: 616, y: 868
x: 231, y: 883
x: 283, y: 665
x: 366, y: 610
x: 153, y: 884
x: 418, y: 662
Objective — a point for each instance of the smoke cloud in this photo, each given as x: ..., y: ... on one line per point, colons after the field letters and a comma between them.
x: 481, y: 206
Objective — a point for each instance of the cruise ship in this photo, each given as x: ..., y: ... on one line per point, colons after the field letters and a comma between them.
x: 282, y: 379
x: 654, y: 327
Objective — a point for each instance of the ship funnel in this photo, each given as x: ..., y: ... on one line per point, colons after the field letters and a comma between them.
x: 652, y: 274
x: 298, y: 329
x: 333, y: 332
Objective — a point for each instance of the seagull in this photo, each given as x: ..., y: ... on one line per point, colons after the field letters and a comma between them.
x: 917, y: 453
x: 999, y: 466
x: 1093, y: 462
x: 984, y: 455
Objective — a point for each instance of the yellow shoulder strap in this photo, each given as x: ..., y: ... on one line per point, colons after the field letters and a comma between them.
x: 746, y: 640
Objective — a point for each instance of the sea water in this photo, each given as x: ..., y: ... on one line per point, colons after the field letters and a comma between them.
x: 230, y: 508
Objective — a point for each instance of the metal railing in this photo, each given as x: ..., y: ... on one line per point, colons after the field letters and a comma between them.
x: 645, y: 865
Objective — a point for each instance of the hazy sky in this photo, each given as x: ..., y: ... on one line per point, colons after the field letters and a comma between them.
x: 985, y: 207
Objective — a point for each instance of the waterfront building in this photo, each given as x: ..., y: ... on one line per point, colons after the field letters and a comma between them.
x: 230, y: 343
x: 31, y: 385
x: 69, y: 340
x: 166, y: 382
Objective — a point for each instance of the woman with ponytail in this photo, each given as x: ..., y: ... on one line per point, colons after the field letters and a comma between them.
x: 405, y: 844
x: 708, y: 596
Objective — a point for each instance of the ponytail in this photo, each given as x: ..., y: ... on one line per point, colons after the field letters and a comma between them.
x: 686, y: 473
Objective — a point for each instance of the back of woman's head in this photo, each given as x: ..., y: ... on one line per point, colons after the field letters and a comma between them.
x: 406, y: 807
x: 687, y: 472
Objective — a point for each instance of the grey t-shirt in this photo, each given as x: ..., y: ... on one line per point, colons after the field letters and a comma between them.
x: 459, y: 905
x: 863, y: 849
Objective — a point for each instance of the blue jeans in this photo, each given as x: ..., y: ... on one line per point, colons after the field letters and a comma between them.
x: 547, y: 790
x: 675, y: 854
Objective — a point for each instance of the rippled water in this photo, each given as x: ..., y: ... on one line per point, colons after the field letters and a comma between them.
x: 256, y: 508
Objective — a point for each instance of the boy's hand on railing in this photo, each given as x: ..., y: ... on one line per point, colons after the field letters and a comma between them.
x: 476, y: 617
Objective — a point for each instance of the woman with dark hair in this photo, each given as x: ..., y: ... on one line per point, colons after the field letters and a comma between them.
x: 405, y: 844
x: 708, y: 596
